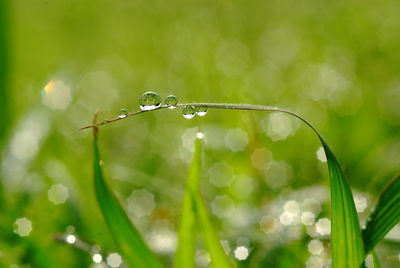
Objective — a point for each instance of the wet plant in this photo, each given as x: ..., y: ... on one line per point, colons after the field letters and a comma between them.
x: 349, y: 244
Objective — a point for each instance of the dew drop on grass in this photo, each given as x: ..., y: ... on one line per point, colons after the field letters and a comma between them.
x: 149, y: 101
x: 188, y: 112
x: 123, y: 113
x: 201, y: 111
x: 171, y: 101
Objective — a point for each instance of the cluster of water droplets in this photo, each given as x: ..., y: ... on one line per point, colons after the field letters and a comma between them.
x: 190, y: 111
x: 151, y: 100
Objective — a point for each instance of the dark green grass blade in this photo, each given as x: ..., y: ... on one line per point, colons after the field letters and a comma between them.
x: 385, y: 216
x: 346, y: 242
x: 131, y: 245
x: 195, y: 215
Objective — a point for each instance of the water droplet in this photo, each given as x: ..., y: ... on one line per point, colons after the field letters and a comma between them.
x: 200, y: 135
x: 188, y: 112
x: 171, y: 101
x: 123, y: 113
x: 149, y: 101
x: 201, y: 110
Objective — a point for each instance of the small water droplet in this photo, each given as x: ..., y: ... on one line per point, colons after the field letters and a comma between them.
x: 149, y: 101
x: 123, y: 113
x: 200, y: 135
x: 101, y: 163
x: 188, y: 112
x: 171, y: 101
x: 201, y: 110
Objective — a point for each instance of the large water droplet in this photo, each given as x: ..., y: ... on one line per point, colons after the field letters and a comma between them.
x: 188, y: 112
x: 123, y: 113
x: 201, y: 110
x: 171, y: 101
x: 149, y: 101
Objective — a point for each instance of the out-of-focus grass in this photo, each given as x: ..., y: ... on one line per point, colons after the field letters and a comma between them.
x: 129, y: 241
x: 385, y: 215
x: 334, y: 62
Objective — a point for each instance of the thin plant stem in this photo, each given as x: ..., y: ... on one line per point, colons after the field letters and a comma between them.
x: 225, y: 106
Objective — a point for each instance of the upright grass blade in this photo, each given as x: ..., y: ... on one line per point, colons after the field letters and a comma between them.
x: 131, y: 245
x: 346, y: 242
x: 195, y: 216
x: 188, y: 231
x: 385, y: 216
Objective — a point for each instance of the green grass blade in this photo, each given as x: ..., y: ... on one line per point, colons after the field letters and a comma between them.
x: 346, y: 242
x: 195, y: 211
x: 188, y: 231
x: 131, y: 245
x: 385, y: 216
x: 185, y: 253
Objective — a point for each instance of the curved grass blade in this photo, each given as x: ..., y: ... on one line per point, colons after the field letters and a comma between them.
x: 385, y: 216
x: 194, y: 210
x: 131, y: 245
x: 346, y: 242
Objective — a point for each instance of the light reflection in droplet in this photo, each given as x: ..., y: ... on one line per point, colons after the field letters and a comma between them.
x: 56, y: 95
x: 236, y: 139
x: 97, y: 258
x: 58, y: 194
x: 280, y: 126
x: 70, y: 239
x: 286, y: 218
x: 221, y: 174
x: 323, y: 226
x: 162, y: 240
x: 312, y: 205
x: 360, y: 202
x: 292, y: 207
x: 269, y: 225
x: 307, y: 218
x: 315, y: 247
x: 277, y: 174
x: 200, y: 135
x: 114, y: 260
x: 223, y: 206
x: 260, y: 158
x: 141, y: 203
x: 242, y: 186
x: 23, y: 226
x: 241, y: 253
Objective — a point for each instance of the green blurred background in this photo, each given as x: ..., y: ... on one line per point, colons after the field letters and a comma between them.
x: 337, y: 63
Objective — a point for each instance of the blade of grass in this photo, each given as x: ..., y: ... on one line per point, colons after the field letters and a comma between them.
x: 346, y: 242
x: 185, y: 253
x: 131, y: 245
x: 194, y: 210
x: 385, y: 215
